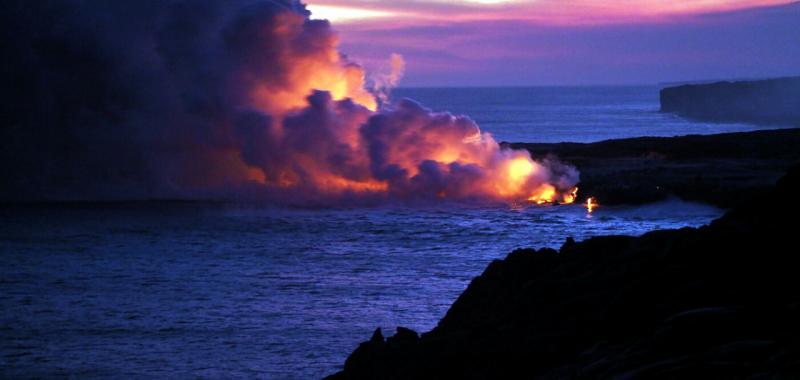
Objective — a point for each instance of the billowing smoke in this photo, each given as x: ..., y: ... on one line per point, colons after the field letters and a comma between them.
x: 212, y: 98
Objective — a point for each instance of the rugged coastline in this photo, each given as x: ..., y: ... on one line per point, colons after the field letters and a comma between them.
x: 723, y: 170
x: 719, y: 301
x: 769, y: 101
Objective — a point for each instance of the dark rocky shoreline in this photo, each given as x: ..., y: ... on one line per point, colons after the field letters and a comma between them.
x: 720, y: 301
x: 769, y: 101
x: 722, y: 170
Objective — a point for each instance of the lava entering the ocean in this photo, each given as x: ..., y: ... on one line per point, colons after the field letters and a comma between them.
x: 321, y: 133
x: 591, y: 203
x: 244, y: 98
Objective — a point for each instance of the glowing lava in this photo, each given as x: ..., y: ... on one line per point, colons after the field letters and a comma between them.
x: 570, y: 197
x: 591, y: 203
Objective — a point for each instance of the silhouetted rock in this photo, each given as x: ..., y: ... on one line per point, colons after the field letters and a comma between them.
x: 569, y: 242
x: 723, y: 170
x: 377, y: 337
x: 771, y: 101
x: 719, y: 301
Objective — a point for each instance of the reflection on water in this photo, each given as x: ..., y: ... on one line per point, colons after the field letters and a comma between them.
x: 184, y: 290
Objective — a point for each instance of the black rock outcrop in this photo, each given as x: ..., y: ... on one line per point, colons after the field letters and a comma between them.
x: 723, y: 169
x: 771, y: 101
x: 720, y: 301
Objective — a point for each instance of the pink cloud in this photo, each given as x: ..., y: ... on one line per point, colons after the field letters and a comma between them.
x: 753, y: 42
x: 550, y: 12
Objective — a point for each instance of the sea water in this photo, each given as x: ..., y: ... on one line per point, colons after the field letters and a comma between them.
x: 187, y: 290
x: 558, y: 114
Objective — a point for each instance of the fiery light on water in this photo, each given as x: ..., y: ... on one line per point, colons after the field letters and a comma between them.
x: 591, y: 203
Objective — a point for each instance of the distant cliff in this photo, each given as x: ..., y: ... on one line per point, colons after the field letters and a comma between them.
x: 772, y: 101
x: 716, y: 302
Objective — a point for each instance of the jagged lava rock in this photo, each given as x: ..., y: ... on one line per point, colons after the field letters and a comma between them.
x: 720, y: 301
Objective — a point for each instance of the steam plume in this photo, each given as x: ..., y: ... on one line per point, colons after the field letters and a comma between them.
x: 210, y: 98
x: 383, y: 83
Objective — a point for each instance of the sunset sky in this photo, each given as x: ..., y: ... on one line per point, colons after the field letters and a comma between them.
x: 569, y: 42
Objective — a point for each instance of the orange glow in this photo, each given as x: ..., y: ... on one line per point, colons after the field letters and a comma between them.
x: 520, y: 169
x: 544, y: 194
x: 591, y: 203
x: 570, y: 197
x: 256, y: 175
x: 338, y: 185
x: 547, y: 193
x: 322, y: 69
x: 319, y: 132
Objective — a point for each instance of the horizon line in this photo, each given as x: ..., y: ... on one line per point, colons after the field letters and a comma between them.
x: 665, y: 83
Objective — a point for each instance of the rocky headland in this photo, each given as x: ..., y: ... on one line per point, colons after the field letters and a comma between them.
x: 723, y: 170
x: 720, y: 301
x: 770, y: 101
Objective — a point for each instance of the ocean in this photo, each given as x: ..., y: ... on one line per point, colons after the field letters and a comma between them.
x: 213, y: 290
x: 559, y: 114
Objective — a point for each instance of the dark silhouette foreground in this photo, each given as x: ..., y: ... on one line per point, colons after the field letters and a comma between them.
x: 720, y: 301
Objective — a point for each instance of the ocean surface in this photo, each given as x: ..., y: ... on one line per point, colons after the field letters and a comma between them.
x: 208, y: 290
x: 558, y: 114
